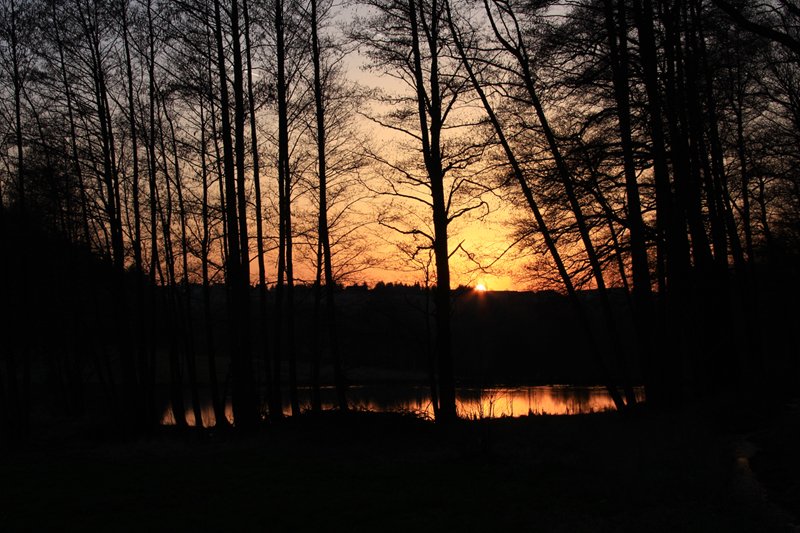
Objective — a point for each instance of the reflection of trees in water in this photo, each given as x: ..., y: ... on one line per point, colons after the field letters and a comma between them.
x: 578, y: 400
x: 415, y: 399
x: 472, y: 403
x: 556, y: 400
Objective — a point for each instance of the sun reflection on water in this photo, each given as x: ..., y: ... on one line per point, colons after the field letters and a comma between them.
x: 471, y: 403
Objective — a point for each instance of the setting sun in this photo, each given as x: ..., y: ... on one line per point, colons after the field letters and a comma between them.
x: 480, y: 287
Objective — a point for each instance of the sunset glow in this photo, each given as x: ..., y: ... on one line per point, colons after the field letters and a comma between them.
x: 480, y: 287
x: 471, y: 403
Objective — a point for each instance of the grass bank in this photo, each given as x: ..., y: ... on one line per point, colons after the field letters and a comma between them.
x: 388, y: 472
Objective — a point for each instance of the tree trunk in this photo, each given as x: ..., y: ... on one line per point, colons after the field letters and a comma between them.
x: 243, y: 386
x: 171, y: 305
x: 285, y: 265
x: 323, y: 230
x: 430, y: 107
x: 523, y: 61
x: 220, y: 420
x: 262, y: 276
x: 537, y: 214
x: 184, y: 304
x: 642, y: 297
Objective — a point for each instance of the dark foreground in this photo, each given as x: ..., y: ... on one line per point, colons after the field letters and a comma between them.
x: 368, y: 472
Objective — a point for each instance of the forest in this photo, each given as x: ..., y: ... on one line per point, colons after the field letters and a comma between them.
x: 190, y: 189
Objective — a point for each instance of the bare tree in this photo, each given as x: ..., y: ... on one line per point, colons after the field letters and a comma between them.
x: 408, y: 41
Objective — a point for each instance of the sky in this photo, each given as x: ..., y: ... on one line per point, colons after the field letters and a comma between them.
x: 485, y: 238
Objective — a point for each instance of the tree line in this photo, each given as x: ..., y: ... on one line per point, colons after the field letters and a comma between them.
x: 644, y: 144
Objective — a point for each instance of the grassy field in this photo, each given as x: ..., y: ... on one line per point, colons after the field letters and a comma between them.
x: 369, y: 472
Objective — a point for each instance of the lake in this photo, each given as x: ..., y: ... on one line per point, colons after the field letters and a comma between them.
x: 471, y: 403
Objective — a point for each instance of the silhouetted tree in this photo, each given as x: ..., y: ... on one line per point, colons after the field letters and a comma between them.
x: 409, y: 40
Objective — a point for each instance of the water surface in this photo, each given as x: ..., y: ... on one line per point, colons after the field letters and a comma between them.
x: 471, y: 403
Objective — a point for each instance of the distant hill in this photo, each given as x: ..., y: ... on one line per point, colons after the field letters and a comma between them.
x: 498, y: 336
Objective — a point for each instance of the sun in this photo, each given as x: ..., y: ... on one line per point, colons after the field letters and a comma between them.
x: 480, y: 287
